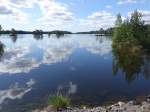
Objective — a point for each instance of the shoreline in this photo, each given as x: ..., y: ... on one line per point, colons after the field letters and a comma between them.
x: 130, y: 106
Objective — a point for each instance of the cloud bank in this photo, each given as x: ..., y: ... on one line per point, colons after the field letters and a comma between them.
x: 53, y: 14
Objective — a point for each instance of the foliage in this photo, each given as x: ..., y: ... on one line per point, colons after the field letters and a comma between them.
x: 13, y: 31
x: 131, y: 47
x: 57, y: 32
x: 131, y: 29
x: 131, y: 59
x: 0, y: 28
x: 59, y: 101
x: 109, y: 31
x: 38, y: 32
x: 1, y: 49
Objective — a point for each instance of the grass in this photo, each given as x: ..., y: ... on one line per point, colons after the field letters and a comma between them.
x: 59, y: 101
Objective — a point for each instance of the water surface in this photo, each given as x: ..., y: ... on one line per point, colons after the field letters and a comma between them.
x: 79, y: 66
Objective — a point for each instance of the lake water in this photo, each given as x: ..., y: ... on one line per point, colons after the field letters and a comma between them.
x: 79, y: 66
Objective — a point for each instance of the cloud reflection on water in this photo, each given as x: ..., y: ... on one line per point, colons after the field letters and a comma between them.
x: 15, y: 60
x: 15, y: 91
x: 67, y: 89
x: 55, y: 51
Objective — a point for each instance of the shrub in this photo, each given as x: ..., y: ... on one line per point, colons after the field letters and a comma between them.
x: 59, y: 101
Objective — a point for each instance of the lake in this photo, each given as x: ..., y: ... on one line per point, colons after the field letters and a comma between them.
x: 79, y: 66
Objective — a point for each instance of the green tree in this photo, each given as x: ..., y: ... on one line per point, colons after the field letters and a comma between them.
x: 13, y: 31
x: 131, y: 46
x: 102, y: 31
x: 148, y: 31
x: 136, y: 19
x: 119, y: 20
x: 132, y: 29
x: 137, y: 25
x: 0, y: 28
x: 1, y: 49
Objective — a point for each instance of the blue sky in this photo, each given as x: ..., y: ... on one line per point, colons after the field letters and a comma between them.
x: 72, y: 15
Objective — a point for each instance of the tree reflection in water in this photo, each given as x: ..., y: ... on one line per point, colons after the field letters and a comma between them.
x: 59, y: 35
x: 14, y: 38
x: 38, y: 36
x: 132, y: 59
x: 1, y: 49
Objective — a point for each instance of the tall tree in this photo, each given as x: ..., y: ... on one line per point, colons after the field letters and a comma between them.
x: 136, y: 18
x: 137, y: 25
x: 119, y: 20
x: 0, y: 28
x: 101, y: 31
x: 13, y: 31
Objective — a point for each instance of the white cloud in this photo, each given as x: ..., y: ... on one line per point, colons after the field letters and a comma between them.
x: 145, y: 15
x: 11, y: 13
x: 54, y: 13
x: 100, y: 14
x: 121, y: 2
x: 100, y: 19
x: 4, y: 10
x: 19, y: 16
x: 22, y: 3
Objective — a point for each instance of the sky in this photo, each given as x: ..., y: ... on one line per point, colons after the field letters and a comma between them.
x: 71, y: 15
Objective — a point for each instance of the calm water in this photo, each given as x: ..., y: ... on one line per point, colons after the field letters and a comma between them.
x: 80, y: 66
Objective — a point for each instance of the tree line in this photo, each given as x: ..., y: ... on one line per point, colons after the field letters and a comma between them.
x: 39, y: 32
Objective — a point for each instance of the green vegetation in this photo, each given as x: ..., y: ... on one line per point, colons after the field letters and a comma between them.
x: 57, y: 32
x: 108, y: 32
x: 131, y: 47
x: 1, y: 28
x: 133, y: 29
x: 1, y: 49
x: 13, y: 32
x: 59, y: 101
x: 38, y: 32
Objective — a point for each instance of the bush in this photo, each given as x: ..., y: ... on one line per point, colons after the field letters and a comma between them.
x: 59, y: 101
